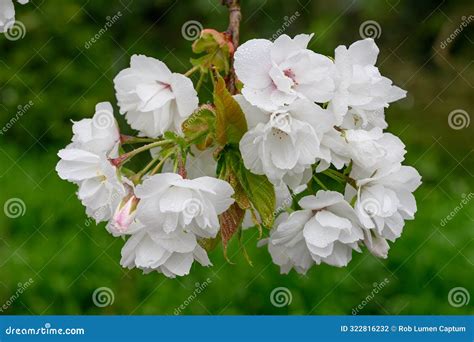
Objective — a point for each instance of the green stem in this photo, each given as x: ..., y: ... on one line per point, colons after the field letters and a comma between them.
x: 191, y: 71
x: 126, y: 140
x: 138, y: 176
x: 200, y: 81
x: 160, y: 164
x: 129, y: 155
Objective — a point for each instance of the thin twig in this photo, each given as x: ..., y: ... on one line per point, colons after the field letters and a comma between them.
x: 234, y: 32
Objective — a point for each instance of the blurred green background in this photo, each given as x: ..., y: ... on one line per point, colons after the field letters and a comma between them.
x: 68, y: 259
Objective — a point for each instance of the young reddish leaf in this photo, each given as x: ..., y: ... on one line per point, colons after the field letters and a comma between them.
x: 230, y: 222
x: 230, y: 120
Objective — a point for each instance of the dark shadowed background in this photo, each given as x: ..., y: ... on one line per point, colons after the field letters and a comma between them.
x: 52, y: 258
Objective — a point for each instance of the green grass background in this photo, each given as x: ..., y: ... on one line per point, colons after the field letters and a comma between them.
x: 67, y: 259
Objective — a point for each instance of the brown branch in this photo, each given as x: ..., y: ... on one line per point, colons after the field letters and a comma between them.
x: 234, y: 32
x: 234, y: 20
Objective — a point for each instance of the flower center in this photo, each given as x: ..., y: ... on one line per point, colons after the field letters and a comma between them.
x: 290, y: 74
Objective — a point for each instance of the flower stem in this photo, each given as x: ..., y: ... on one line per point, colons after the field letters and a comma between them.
x: 119, y: 161
x: 127, y: 139
x: 200, y: 81
x: 160, y: 164
x: 191, y: 71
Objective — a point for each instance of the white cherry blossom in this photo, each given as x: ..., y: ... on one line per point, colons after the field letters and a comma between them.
x: 277, y: 73
x: 368, y: 149
x: 153, y: 98
x: 285, y: 143
x: 359, y: 84
x: 326, y: 230
x: 383, y: 201
x: 99, y: 134
x: 372, y: 149
x: 334, y: 231
x: 287, y: 245
x: 100, y: 188
x: 175, y: 203
x: 169, y: 253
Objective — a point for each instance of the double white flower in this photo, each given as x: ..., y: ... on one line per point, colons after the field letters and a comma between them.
x: 192, y: 205
x: 277, y: 73
x: 383, y: 201
x: 284, y: 143
x: 359, y: 84
x: 154, y: 99
x: 85, y: 162
x: 171, y: 214
x: 326, y: 230
x: 169, y: 253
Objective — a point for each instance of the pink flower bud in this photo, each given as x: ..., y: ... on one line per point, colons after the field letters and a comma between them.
x: 125, y: 213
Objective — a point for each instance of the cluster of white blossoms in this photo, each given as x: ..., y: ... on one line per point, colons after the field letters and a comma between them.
x: 306, y: 116
x: 7, y: 13
x: 165, y: 214
x: 307, y: 112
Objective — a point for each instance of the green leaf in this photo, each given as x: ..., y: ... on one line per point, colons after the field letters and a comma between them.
x: 261, y: 194
x: 200, y: 127
x: 230, y: 120
x: 217, y: 48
